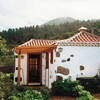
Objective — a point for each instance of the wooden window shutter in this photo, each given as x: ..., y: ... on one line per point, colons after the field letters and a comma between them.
x: 47, y: 60
x: 51, y: 57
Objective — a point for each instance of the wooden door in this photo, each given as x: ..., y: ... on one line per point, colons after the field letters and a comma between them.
x: 34, y: 68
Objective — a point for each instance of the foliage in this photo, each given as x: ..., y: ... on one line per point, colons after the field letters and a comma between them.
x: 62, y: 31
x: 3, y: 52
x: 45, y: 93
x: 6, y: 86
x: 7, y: 60
x: 68, y: 87
x: 9, y: 91
x: 3, y: 47
x: 94, y: 87
x: 27, y: 95
x: 65, y: 88
x: 83, y: 94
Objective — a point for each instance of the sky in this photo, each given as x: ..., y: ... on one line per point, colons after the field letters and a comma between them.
x: 20, y: 13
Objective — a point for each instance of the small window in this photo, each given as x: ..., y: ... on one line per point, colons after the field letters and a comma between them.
x: 16, y: 78
x: 16, y: 68
x: 51, y: 57
x: 16, y: 56
x: 47, y: 60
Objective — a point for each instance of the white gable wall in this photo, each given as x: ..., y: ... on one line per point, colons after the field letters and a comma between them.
x: 89, y: 57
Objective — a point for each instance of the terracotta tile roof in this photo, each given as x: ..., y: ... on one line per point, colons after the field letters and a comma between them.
x: 81, y: 39
x: 34, y: 42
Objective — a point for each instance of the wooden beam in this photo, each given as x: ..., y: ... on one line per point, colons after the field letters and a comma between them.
x: 19, y: 67
x: 33, y: 47
x: 36, y: 49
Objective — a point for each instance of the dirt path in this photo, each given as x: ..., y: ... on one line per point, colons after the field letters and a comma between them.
x: 61, y: 98
x: 69, y: 98
x: 96, y: 96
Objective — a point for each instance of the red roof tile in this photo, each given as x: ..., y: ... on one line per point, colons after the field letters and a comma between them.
x: 34, y: 42
x: 81, y: 39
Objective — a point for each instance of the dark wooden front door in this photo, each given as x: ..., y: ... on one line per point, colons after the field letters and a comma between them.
x: 34, y: 68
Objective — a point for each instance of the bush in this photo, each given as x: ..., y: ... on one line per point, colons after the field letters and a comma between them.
x: 6, y: 86
x: 70, y: 88
x: 27, y: 95
x: 65, y: 88
x: 9, y: 91
x: 45, y: 93
x: 93, y: 85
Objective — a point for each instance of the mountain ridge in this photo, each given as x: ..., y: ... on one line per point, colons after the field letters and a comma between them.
x: 60, y: 20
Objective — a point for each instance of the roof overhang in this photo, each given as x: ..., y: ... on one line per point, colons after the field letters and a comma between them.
x: 34, y: 49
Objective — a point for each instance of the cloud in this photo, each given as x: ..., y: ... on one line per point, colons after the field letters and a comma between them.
x: 19, y: 13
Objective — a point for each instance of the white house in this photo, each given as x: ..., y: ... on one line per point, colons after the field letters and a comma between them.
x: 41, y: 62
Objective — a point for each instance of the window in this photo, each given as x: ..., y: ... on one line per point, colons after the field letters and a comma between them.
x: 47, y: 60
x: 51, y: 57
x: 16, y: 56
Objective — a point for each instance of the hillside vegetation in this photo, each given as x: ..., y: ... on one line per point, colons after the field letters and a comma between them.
x: 62, y: 31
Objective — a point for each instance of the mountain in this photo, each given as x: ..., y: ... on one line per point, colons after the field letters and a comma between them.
x: 60, y: 20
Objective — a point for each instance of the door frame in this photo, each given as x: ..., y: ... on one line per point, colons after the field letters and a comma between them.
x: 40, y: 67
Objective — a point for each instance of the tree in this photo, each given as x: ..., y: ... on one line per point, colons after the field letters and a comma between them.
x: 3, y: 47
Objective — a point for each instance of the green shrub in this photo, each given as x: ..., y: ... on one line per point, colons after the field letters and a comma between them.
x: 45, y: 93
x: 57, y: 88
x: 27, y: 95
x: 9, y: 91
x: 92, y: 85
x: 65, y: 88
x: 70, y: 88
x: 6, y: 86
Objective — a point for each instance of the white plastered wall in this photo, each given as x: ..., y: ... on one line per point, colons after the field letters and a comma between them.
x: 51, y: 70
x: 89, y: 57
x: 43, y: 68
x: 23, y: 69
